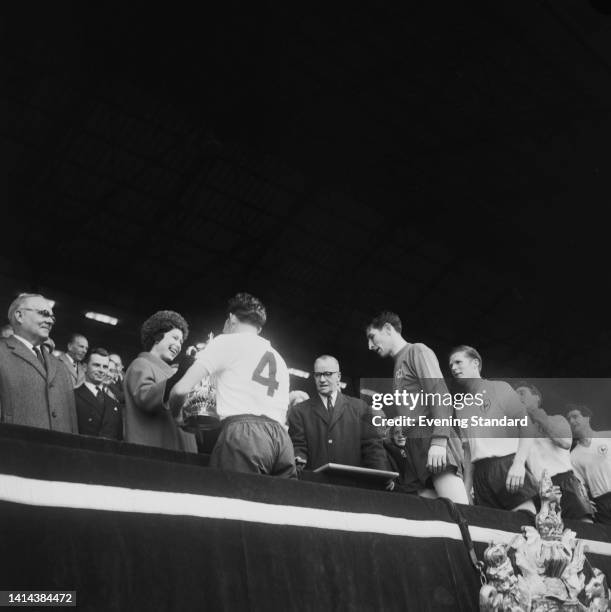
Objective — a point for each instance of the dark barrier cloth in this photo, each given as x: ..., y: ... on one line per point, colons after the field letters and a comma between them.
x: 137, y: 561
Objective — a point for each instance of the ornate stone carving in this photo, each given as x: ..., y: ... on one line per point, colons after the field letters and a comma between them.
x: 549, y: 568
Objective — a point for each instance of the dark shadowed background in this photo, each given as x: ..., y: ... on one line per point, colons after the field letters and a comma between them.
x: 449, y: 161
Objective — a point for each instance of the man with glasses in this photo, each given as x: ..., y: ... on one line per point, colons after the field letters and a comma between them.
x: 35, y: 388
x: 332, y: 427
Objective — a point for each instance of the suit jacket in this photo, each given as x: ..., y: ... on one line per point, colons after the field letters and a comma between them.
x: 31, y: 396
x: 115, y: 390
x: 147, y: 420
x: 76, y: 370
x: 103, y: 419
x: 348, y: 438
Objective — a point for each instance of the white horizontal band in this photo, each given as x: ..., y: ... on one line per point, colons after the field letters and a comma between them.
x: 85, y: 496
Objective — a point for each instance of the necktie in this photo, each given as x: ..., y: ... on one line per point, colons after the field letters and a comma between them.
x: 330, y: 407
x: 100, y: 396
x: 40, y: 356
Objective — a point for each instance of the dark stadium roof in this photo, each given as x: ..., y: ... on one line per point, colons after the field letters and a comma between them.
x: 446, y: 160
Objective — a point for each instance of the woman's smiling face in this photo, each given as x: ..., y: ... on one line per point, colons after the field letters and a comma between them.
x: 169, y: 347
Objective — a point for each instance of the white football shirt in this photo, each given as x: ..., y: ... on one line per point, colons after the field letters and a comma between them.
x: 545, y: 455
x: 250, y: 376
x: 593, y: 464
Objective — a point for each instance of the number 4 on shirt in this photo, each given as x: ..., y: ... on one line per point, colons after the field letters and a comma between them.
x: 267, y: 361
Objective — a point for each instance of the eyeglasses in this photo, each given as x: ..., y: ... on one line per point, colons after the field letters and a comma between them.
x: 47, y: 314
x: 323, y: 374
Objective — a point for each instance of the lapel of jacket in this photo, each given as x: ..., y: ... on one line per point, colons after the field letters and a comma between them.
x: 71, y: 367
x: 51, y: 364
x: 158, y: 363
x: 320, y: 409
x: 338, y: 409
x: 110, y: 392
x: 90, y: 398
x: 22, y: 351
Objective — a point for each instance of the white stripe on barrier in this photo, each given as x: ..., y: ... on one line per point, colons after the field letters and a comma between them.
x: 86, y: 496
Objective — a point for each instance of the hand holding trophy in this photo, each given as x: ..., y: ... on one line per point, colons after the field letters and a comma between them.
x: 199, y: 410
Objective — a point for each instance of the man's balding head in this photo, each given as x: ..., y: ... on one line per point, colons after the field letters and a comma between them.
x: 327, y: 375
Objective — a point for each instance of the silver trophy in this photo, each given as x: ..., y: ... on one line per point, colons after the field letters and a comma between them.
x: 199, y: 410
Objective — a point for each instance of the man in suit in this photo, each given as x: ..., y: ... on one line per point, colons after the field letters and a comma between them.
x: 73, y: 358
x: 35, y: 389
x: 332, y: 427
x: 114, y: 378
x: 98, y: 413
x: 116, y: 359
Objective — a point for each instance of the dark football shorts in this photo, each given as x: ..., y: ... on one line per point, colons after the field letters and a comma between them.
x: 574, y: 501
x: 417, y: 476
x: 489, y: 478
x: 603, y: 509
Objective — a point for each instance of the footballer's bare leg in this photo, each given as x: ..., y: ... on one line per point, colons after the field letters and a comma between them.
x: 428, y: 493
x: 448, y: 484
x: 529, y: 505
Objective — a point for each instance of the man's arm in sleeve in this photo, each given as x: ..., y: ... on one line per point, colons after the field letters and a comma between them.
x: 211, y: 360
x: 181, y: 388
x: 513, y: 407
x: 468, y: 470
x: 297, y: 431
x: 147, y: 392
x: 578, y: 469
x: 555, y: 426
x: 373, y: 454
x: 432, y: 381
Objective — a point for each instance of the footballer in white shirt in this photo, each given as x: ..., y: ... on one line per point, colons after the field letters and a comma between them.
x: 252, y: 393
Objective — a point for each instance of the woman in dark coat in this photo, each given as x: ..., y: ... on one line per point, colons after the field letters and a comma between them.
x: 148, y: 419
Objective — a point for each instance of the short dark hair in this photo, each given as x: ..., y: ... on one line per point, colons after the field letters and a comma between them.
x: 585, y: 411
x: 74, y: 336
x: 97, y: 351
x: 157, y: 325
x: 533, y: 389
x: 386, y: 316
x: 470, y: 352
x: 247, y: 309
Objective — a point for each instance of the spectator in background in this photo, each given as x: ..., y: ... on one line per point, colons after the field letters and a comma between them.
x: 591, y: 458
x: 6, y: 331
x: 435, y: 452
x: 394, y: 444
x: 333, y: 427
x: 295, y: 397
x: 495, y: 457
x: 116, y: 359
x: 252, y: 393
x: 148, y: 418
x: 35, y: 388
x: 112, y: 385
x: 551, y: 451
x: 98, y: 413
x: 73, y: 358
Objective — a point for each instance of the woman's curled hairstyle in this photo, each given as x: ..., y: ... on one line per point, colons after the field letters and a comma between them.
x: 157, y: 325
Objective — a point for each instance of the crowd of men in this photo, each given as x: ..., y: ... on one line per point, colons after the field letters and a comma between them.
x: 264, y: 428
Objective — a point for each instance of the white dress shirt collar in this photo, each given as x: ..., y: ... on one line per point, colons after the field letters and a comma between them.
x: 323, y: 399
x: 93, y: 388
x: 26, y: 342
